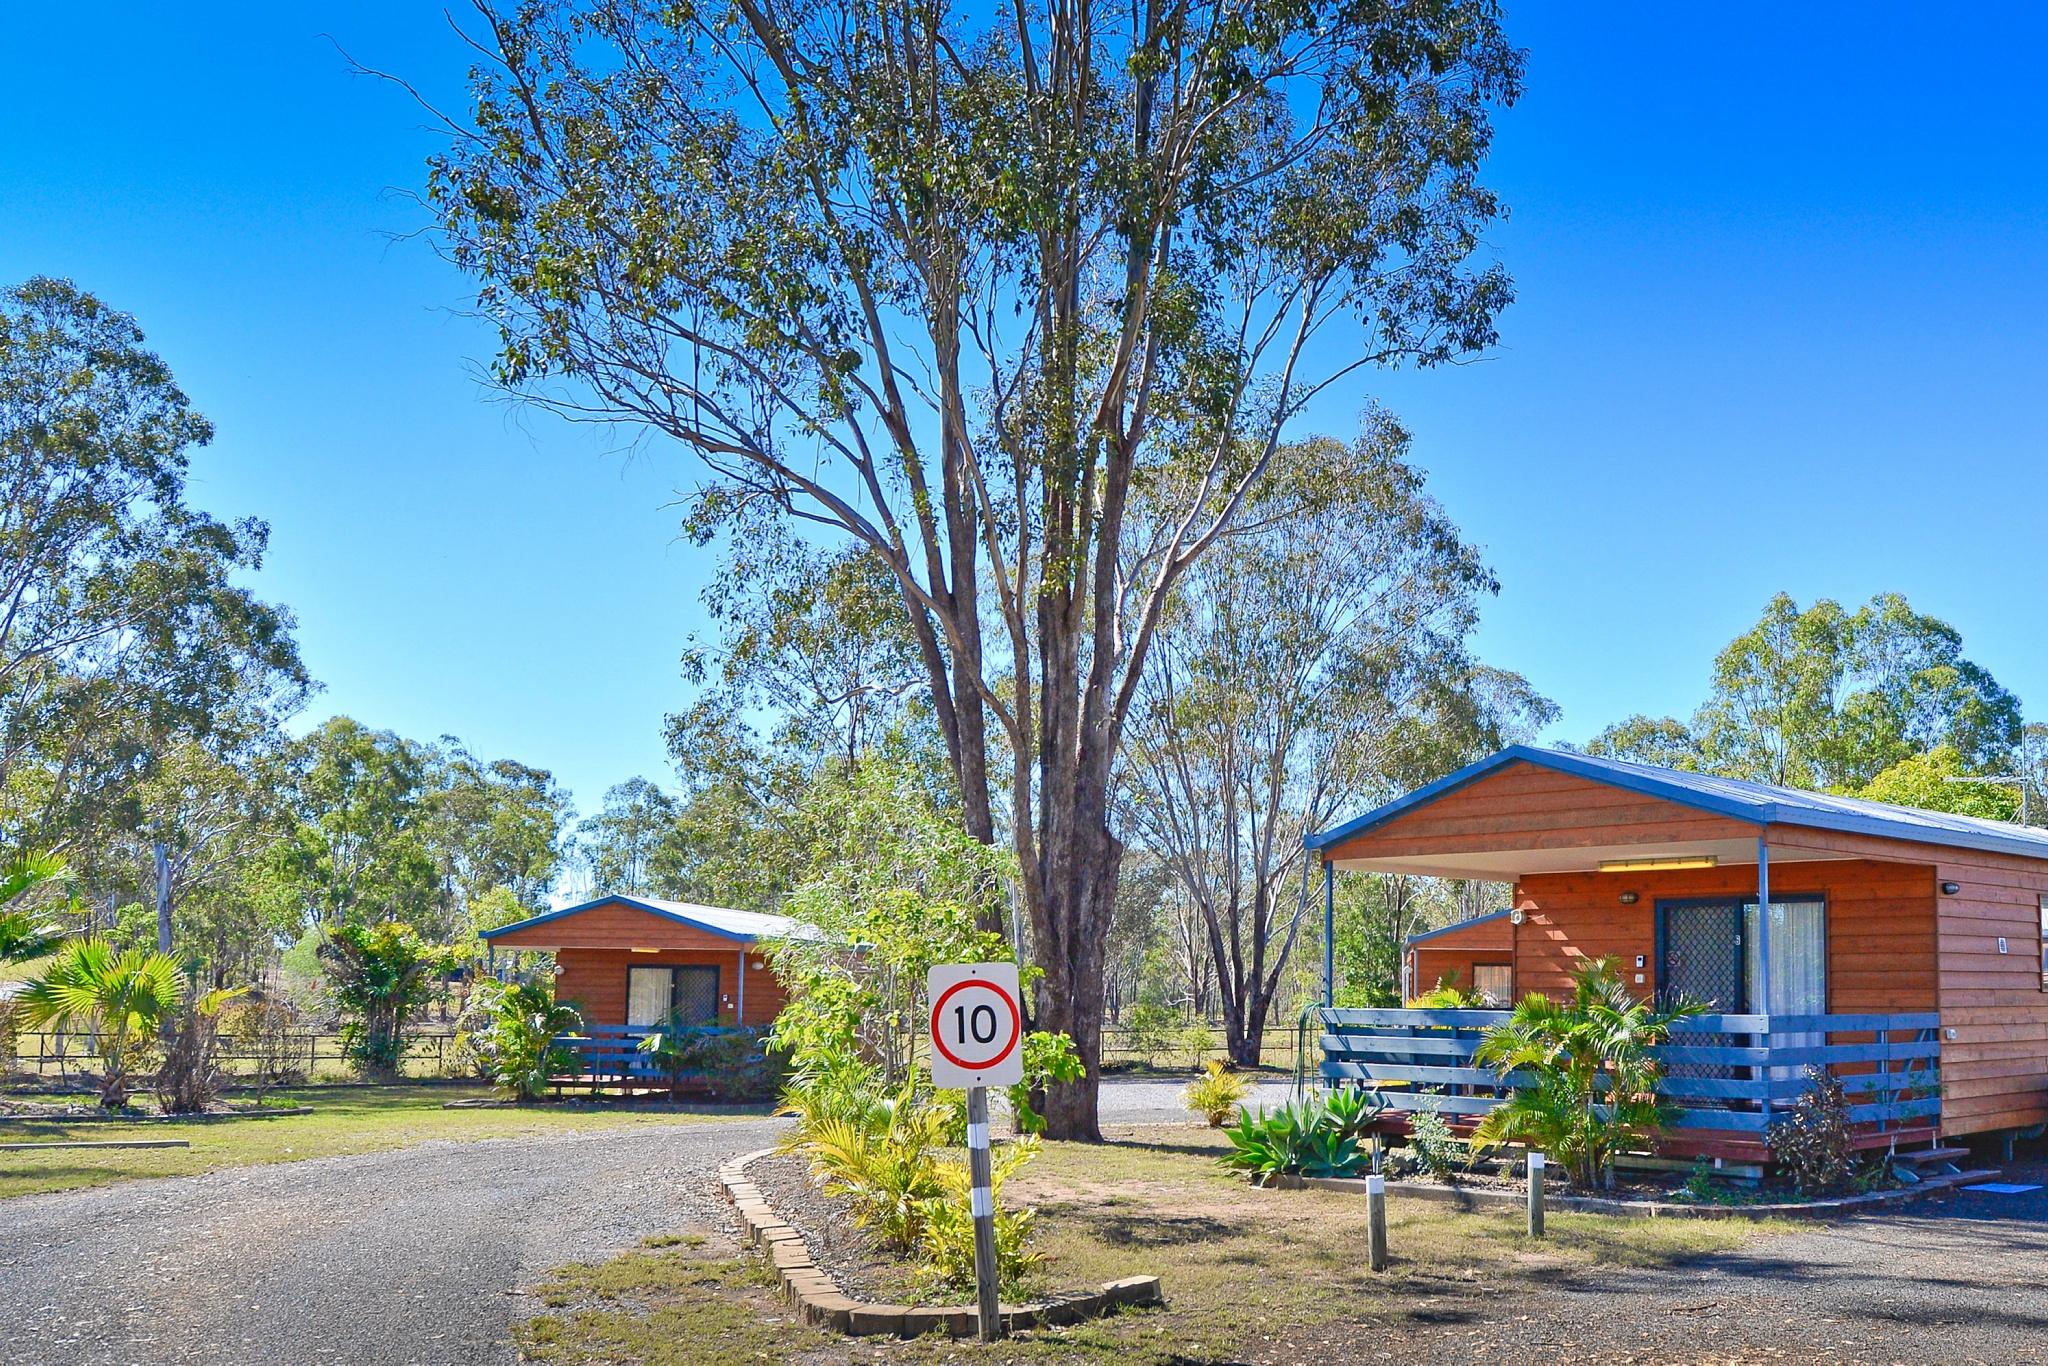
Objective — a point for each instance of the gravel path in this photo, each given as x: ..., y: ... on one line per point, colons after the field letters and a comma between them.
x: 385, y: 1259
x: 1158, y: 1100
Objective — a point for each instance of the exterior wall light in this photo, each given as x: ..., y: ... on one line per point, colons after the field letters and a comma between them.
x: 1951, y: 888
x: 1629, y: 898
x: 1515, y: 917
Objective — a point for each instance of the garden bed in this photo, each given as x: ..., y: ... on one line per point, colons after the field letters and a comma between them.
x: 838, y: 1248
x: 78, y: 1112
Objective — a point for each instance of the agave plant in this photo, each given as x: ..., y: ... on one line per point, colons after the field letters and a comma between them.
x: 1594, y: 1075
x: 121, y: 999
x: 1307, y: 1139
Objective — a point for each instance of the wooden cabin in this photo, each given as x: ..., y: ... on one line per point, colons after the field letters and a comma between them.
x: 1475, y: 956
x: 631, y: 964
x: 1906, y: 950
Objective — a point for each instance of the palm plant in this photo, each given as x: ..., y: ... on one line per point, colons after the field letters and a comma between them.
x: 515, y: 1037
x: 1594, y: 1074
x: 121, y: 999
x: 24, y: 934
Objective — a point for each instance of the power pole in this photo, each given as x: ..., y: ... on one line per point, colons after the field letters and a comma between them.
x: 163, y: 898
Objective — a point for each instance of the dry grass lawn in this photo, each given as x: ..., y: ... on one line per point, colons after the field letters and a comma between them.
x: 347, y: 1120
x: 1241, y: 1267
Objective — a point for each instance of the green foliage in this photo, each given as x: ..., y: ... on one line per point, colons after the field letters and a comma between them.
x: 1308, y: 1138
x: 512, y: 1029
x: 898, y: 889
x: 1828, y: 699
x: 1048, y: 1058
x: 946, y: 1241
x: 1924, y: 781
x: 1448, y: 995
x: 1149, y: 1029
x: 120, y: 1000
x: 1437, y: 1150
x: 266, y: 1034
x: 27, y: 934
x: 1197, y: 1041
x: 125, y: 629
x: 1216, y: 1093
x: 380, y: 974
x: 887, y: 1171
x: 727, y: 1063
x: 1814, y: 1143
x: 1594, y: 1088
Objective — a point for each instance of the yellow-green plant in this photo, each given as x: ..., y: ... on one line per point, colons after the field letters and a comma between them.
x: 1216, y: 1093
x: 946, y: 1241
x: 888, y: 1173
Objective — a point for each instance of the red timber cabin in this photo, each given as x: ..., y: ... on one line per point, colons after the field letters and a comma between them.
x: 630, y: 964
x: 1905, y: 950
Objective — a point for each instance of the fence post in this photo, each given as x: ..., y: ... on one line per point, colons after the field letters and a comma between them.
x: 1535, y: 1195
x: 1376, y: 1221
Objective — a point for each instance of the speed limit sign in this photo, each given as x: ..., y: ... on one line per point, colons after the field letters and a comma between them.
x: 977, y: 1026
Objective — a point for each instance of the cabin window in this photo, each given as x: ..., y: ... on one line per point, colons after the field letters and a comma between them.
x: 653, y: 994
x: 1495, y: 982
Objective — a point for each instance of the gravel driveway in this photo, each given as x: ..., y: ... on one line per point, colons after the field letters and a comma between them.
x: 386, y: 1259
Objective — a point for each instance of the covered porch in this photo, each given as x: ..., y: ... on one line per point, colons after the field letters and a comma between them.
x: 1805, y: 953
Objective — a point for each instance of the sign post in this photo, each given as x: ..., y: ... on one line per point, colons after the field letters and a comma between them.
x: 977, y: 1033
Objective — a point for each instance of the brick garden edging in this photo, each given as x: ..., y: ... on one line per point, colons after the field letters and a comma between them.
x: 821, y: 1303
x: 1469, y: 1197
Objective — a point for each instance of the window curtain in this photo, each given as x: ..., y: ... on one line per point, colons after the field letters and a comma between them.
x: 1799, y: 971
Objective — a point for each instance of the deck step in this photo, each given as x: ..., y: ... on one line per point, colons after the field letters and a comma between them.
x: 1920, y: 1156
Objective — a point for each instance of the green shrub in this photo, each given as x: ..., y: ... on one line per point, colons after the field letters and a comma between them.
x: 887, y: 1172
x: 1199, y: 1041
x: 1814, y: 1143
x: 1437, y: 1150
x: 1303, y: 1139
x: 380, y: 974
x: 513, y: 1026
x: 1593, y: 1078
x: 946, y: 1241
x: 1351, y: 1110
x: 1148, y: 1030
x: 1216, y: 1093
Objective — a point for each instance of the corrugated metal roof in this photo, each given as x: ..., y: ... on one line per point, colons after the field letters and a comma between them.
x: 1732, y: 797
x: 747, y: 926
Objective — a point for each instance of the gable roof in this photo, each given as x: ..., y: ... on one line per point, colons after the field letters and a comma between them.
x: 740, y: 926
x: 1759, y: 803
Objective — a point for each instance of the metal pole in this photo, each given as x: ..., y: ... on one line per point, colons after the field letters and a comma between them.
x: 982, y: 1204
x: 1376, y: 1221
x: 1762, y: 1005
x: 1329, y: 934
x: 1536, y: 1163
x: 739, y: 1010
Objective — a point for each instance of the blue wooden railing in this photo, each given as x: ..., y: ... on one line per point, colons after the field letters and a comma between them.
x: 1890, y: 1065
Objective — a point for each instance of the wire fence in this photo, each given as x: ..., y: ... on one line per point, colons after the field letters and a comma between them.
x: 309, y: 1055
x: 435, y: 1052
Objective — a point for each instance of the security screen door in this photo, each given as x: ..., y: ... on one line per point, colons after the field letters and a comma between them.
x: 1711, y: 953
x: 689, y: 995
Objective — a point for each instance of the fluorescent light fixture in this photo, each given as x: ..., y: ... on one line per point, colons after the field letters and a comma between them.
x: 643, y: 950
x: 1658, y: 865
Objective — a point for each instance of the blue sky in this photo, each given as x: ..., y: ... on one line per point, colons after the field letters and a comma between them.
x: 1780, y: 325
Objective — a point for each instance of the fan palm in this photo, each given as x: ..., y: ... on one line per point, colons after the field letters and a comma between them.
x: 121, y: 998
x: 1594, y: 1074
x: 24, y: 934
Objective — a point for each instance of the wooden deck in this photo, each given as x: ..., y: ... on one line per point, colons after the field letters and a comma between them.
x: 1727, y: 1093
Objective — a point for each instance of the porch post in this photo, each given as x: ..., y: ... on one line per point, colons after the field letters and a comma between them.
x: 1763, y: 926
x: 1329, y: 933
x: 1763, y: 958
x: 739, y: 1010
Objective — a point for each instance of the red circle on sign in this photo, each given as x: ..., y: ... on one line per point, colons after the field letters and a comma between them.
x: 977, y: 1064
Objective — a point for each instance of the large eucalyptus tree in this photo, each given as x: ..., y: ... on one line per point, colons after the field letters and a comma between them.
x: 954, y: 283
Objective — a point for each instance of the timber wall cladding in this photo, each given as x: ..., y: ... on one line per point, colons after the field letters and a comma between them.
x: 594, y: 980
x: 1994, y: 1072
x: 595, y: 947
x: 1881, y: 925
x: 1539, y: 809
